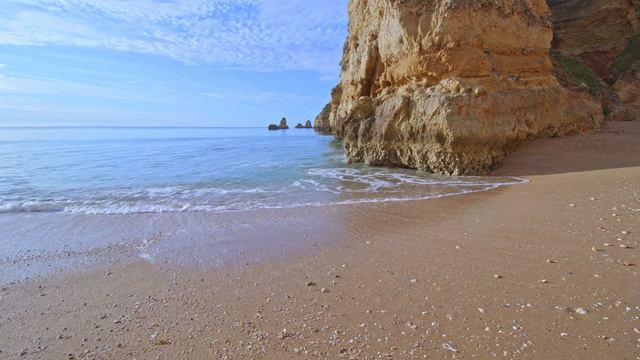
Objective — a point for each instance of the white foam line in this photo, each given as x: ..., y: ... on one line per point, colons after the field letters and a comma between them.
x: 121, y: 209
x: 361, y: 201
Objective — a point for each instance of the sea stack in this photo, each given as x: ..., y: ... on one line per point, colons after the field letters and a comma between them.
x: 308, y: 125
x: 299, y: 126
x: 450, y: 87
x: 283, y: 124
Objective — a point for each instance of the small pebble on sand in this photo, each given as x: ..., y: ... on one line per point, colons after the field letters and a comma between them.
x: 581, y: 311
x: 412, y: 325
x: 449, y: 347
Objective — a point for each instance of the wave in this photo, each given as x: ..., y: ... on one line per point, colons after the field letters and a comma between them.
x: 317, y: 187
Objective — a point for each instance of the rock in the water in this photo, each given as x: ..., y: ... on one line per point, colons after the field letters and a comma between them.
x: 299, y: 126
x: 283, y: 124
x: 273, y: 127
x: 308, y: 125
x: 450, y: 86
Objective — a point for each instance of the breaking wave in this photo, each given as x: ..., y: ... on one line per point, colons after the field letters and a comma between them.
x: 317, y: 187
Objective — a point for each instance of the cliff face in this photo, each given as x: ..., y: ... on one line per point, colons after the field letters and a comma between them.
x: 627, y: 88
x: 322, y: 123
x: 594, y: 31
x: 450, y: 86
x: 603, y: 37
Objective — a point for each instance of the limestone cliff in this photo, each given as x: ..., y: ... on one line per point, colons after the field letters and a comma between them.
x: 602, y: 37
x: 624, y: 73
x: 450, y: 86
x: 322, y: 123
x: 594, y: 31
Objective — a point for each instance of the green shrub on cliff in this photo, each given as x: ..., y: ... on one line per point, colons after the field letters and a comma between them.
x: 628, y: 59
x: 576, y: 74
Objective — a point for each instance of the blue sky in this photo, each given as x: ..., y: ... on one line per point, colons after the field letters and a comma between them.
x: 167, y: 62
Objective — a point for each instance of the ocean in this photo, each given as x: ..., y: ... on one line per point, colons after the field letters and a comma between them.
x: 76, y: 198
x: 155, y: 170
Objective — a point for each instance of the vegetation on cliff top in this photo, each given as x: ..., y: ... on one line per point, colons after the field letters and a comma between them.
x: 576, y: 74
x: 628, y: 59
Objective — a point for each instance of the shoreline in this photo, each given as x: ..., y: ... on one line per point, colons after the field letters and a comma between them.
x: 89, y: 248
x: 506, y: 273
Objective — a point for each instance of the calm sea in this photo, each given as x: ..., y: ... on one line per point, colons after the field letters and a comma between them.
x: 152, y: 170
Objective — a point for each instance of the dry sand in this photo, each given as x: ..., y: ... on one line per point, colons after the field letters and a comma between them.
x: 545, y: 270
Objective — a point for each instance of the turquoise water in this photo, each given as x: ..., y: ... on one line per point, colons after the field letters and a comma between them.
x: 150, y: 170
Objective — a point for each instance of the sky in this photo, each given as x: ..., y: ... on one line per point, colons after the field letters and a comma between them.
x: 167, y: 62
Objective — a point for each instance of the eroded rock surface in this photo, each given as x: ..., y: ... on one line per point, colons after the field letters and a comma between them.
x: 603, y: 38
x: 449, y: 86
x: 322, y: 123
x: 594, y: 31
x: 628, y: 89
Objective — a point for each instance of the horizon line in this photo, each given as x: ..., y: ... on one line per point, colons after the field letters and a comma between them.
x: 131, y: 127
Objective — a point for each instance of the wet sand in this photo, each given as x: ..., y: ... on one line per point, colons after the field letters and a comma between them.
x: 545, y: 270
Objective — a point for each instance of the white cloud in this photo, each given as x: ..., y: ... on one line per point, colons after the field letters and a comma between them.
x: 263, y: 35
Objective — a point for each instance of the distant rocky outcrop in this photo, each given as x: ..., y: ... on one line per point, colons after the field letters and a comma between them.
x: 283, y: 124
x: 450, y: 86
x: 308, y: 125
x: 299, y: 126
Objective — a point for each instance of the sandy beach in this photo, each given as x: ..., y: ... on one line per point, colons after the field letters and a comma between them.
x: 543, y: 270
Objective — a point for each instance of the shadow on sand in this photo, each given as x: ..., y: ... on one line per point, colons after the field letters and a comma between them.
x: 587, y: 152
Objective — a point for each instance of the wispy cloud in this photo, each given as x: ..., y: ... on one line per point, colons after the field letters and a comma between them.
x: 4, y: 82
x: 38, y: 112
x: 262, y: 35
x: 42, y: 86
x: 259, y: 97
